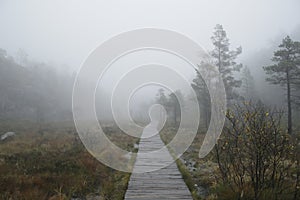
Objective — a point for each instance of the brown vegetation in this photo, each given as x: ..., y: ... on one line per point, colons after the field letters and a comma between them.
x: 53, y: 164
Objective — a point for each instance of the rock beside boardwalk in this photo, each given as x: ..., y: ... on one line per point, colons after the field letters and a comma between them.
x: 7, y: 135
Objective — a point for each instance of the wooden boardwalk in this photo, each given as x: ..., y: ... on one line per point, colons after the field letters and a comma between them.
x: 165, y: 183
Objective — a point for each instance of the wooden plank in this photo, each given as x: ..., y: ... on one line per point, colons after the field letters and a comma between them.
x: 166, y: 183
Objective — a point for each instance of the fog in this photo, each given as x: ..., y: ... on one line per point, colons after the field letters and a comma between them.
x: 65, y: 32
x: 99, y: 98
x: 60, y: 35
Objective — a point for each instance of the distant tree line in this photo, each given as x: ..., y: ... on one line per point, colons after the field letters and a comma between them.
x: 172, y: 104
x: 33, y: 91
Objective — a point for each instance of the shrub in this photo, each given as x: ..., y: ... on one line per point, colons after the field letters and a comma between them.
x: 255, y: 155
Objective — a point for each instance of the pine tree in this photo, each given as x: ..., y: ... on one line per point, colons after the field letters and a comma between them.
x: 225, y: 61
x: 286, y: 71
x: 248, y: 86
x: 161, y: 97
x: 162, y: 100
x: 174, y: 104
x: 201, y: 88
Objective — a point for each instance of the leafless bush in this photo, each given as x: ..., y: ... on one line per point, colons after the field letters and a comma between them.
x: 256, y: 157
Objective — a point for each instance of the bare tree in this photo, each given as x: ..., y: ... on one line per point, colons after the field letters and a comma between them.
x: 254, y: 153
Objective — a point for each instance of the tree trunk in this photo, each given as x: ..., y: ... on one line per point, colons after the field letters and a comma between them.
x: 290, y: 126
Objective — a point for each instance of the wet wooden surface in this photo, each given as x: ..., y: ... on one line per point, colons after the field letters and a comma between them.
x: 165, y: 183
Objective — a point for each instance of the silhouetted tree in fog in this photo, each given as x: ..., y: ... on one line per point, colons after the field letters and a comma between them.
x: 286, y: 71
x: 201, y: 89
x: 248, y: 87
x: 162, y: 100
x: 225, y: 61
x: 174, y: 105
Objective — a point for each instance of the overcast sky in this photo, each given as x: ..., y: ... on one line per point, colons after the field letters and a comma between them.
x: 64, y: 32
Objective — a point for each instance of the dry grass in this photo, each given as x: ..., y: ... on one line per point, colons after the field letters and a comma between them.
x: 51, y: 163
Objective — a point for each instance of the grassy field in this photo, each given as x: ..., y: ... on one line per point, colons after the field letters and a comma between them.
x: 48, y: 161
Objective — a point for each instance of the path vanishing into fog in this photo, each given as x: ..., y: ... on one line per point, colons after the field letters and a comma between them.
x: 165, y: 183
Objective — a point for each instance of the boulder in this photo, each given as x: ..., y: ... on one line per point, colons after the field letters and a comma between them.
x: 7, y: 135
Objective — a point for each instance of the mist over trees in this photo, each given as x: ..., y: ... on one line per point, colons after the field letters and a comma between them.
x: 273, y: 95
x: 241, y: 84
x: 247, y: 91
x: 202, y: 93
x: 237, y: 142
x: 258, y: 152
x: 33, y: 91
x: 171, y: 103
x: 225, y: 60
x: 286, y: 72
